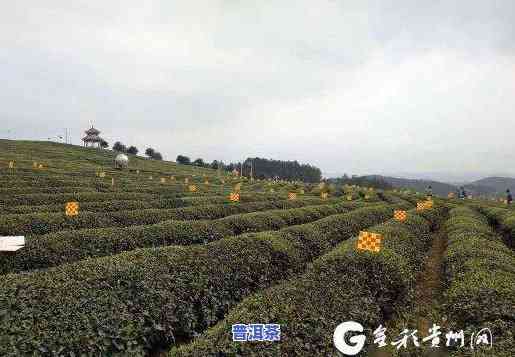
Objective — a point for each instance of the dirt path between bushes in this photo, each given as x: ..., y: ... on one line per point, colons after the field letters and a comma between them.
x: 428, y: 295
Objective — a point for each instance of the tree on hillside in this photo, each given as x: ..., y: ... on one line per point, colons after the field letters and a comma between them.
x: 216, y: 164
x: 104, y: 144
x: 150, y: 152
x: 199, y: 162
x: 118, y: 146
x: 181, y: 159
x: 133, y: 150
x: 157, y: 156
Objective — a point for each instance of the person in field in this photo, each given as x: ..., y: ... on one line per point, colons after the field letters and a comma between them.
x: 509, y: 197
x: 429, y: 192
x: 463, y: 193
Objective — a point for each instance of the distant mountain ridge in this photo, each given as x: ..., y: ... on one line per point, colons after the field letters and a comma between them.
x: 439, y: 188
x: 489, y: 186
x: 499, y: 185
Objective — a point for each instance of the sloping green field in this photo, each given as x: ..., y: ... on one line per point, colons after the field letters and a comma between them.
x: 151, y: 267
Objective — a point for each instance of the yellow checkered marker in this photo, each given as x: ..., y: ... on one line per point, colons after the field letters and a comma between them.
x: 400, y: 215
x: 192, y: 188
x: 292, y: 196
x: 324, y: 195
x: 421, y: 206
x: 11, y: 164
x: 72, y: 209
x: 234, y: 197
x: 369, y: 241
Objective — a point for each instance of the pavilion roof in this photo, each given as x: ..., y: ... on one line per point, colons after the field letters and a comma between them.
x: 92, y: 138
x: 92, y: 131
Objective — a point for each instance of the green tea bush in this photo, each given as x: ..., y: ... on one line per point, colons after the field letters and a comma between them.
x: 480, y: 274
x: 45, y: 223
x: 126, y: 304
x: 342, y: 285
x: 69, y: 246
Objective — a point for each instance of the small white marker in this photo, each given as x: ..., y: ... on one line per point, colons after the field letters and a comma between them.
x: 11, y: 244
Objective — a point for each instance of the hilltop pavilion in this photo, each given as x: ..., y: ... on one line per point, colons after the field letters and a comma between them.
x: 92, y: 138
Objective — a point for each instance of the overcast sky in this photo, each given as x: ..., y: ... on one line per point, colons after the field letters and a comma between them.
x: 360, y: 87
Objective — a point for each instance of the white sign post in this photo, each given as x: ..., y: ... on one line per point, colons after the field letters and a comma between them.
x: 11, y: 244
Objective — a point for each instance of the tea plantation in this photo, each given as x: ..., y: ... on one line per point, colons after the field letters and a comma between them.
x: 161, y: 260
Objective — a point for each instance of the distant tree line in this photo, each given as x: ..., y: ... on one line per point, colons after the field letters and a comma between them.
x: 262, y: 168
x: 150, y: 152
x: 364, y: 181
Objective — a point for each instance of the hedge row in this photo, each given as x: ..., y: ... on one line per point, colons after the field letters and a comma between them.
x: 69, y: 246
x: 125, y: 304
x: 44, y: 223
x: 4, y: 193
x: 340, y: 286
x: 124, y: 205
x: 42, y: 198
x: 480, y: 274
x: 504, y: 219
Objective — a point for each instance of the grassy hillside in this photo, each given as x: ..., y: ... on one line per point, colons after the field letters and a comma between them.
x: 69, y: 159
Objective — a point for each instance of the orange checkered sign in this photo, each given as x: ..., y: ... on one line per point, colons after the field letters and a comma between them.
x: 324, y: 195
x: 72, y: 209
x: 192, y: 188
x: 369, y: 241
x: 400, y: 216
x: 234, y: 197
x: 292, y: 196
x: 424, y: 205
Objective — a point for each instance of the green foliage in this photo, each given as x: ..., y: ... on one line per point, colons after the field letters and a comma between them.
x: 480, y: 271
x: 130, y: 302
x: 340, y: 286
x: 204, y: 225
